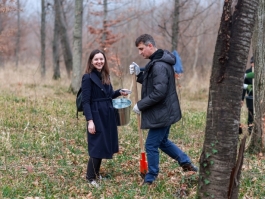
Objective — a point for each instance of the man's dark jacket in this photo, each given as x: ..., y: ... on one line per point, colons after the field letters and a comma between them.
x: 159, y: 104
x: 248, y: 81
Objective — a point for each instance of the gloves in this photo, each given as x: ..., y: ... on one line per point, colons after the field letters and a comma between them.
x: 249, y: 75
x: 248, y: 87
x: 134, y: 68
x: 136, y: 109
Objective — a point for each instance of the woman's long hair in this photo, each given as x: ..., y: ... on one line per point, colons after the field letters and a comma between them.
x: 105, y: 70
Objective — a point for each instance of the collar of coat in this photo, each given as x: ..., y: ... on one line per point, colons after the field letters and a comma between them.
x: 94, y: 77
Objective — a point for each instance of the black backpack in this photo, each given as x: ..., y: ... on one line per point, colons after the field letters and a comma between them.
x: 79, y: 106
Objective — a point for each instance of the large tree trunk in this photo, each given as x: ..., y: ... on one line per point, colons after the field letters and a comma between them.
x: 218, y: 158
x: 55, y: 47
x: 67, y: 53
x: 43, y: 35
x: 175, y: 26
x: 77, y: 58
x: 258, y: 136
x: 18, y: 34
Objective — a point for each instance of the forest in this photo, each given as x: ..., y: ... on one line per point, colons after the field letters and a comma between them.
x: 44, y: 50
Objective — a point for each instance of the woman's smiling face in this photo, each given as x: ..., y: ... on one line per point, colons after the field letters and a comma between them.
x: 98, y: 61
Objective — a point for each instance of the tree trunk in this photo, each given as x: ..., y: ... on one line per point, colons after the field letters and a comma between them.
x: 18, y: 34
x: 77, y: 58
x: 175, y: 26
x: 55, y: 46
x: 67, y: 53
x: 258, y: 136
x: 194, y: 78
x: 218, y: 158
x: 1, y: 29
x: 104, y: 34
x: 43, y: 35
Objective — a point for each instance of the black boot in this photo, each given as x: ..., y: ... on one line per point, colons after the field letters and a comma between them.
x: 250, y: 129
x: 93, y: 167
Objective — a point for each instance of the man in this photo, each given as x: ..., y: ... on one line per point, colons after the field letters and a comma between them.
x: 159, y: 105
x: 248, y: 90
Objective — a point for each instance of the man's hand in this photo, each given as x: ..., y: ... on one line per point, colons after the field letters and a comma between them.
x: 136, y: 109
x: 134, y: 68
x: 249, y: 88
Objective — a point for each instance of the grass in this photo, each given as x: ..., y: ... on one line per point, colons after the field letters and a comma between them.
x: 43, y: 149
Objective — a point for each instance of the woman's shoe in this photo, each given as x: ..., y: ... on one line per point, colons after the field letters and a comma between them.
x: 94, y: 184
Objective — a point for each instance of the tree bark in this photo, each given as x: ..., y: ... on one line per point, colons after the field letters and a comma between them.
x: 175, y: 26
x: 55, y: 46
x: 257, y: 141
x: 104, y: 34
x: 67, y: 53
x: 218, y: 158
x: 43, y: 35
x: 77, y: 58
x: 1, y: 29
x: 18, y: 34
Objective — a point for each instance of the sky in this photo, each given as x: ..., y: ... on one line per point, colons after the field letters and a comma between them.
x: 31, y: 6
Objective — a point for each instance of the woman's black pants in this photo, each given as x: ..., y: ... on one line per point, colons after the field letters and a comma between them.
x: 93, y: 167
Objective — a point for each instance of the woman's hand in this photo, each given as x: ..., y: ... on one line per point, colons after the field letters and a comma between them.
x: 125, y: 92
x: 91, y: 127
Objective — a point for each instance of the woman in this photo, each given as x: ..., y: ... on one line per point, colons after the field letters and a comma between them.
x: 97, y: 95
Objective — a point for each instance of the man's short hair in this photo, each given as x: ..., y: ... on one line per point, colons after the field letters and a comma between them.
x: 252, y: 60
x: 145, y: 39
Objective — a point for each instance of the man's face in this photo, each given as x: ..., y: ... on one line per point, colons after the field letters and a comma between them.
x: 252, y: 64
x: 145, y: 51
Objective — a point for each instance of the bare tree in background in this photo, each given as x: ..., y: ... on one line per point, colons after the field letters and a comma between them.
x: 43, y: 37
x: 18, y: 33
x: 8, y: 30
x: 257, y: 142
x: 175, y: 26
x: 106, y: 38
x: 220, y: 168
x: 1, y: 51
x: 104, y: 32
x: 55, y: 47
x: 77, y: 56
x: 191, y: 22
x: 67, y: 53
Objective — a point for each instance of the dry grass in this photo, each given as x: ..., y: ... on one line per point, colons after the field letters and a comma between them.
x: 43, y: 149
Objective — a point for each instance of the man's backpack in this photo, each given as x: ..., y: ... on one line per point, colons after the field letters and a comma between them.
x: 178, y: 66
x: 79, y: 106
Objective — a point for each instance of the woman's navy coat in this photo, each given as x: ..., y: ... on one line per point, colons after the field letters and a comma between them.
x: 97, y: 106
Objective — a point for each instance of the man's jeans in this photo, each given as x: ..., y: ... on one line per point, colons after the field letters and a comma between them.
x: 158, y: 138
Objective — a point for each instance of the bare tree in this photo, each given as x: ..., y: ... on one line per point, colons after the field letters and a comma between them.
x: 55, y: 46
x: 43, y: 37
x: 258, y: 136
x: 18, y: 33
x: 219, y: 166
x: 104, y: 32
x: 67, y: 53
x: 77, y: 58
x: 175, y: 26
x: 1, y: 45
